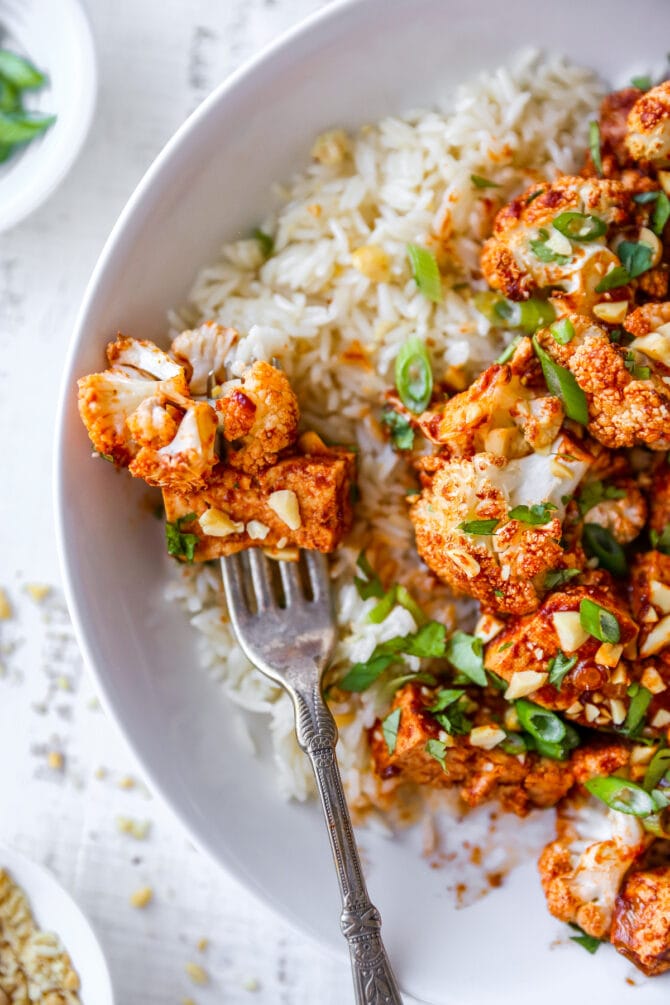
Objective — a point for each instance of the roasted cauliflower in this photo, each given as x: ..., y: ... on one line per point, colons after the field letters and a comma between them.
x: 582, y: 870
x: 203, y: 351
x: 641, y: 921
x: 628, y: 401
x: 139, y: 371
x: 185, y: 462
x: 648, y: 134
x: 527, y: 252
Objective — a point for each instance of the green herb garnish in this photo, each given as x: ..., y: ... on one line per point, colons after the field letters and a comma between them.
x: 661, y: 214
x: 563, y: 331
x: 622, y: 795
x: 563, y: 385
x: 428, y: 641
x: 536, y: 515
x: 642, y: 83
x: 425, y: 271
x: 600, y: 623
x: 616, y: 277
x: 550, y: 735
x: 371, y: 585
x: 509, y: 351
x: 390, y: 729
x: 402, y: 434
x: 595, y: 492
x: 541, y: 249
x: 478, y: 527
x: 450, y: 711
x: 266, y: 242
x: 661, y: 542
x: 413, y: 375
x: 587, y: 942
x: 437, y: 750
x: 20, y: 72
x: 559, y: 666
x: 635, y: 369
x: 180, y: 543
x: 557, y: 577
x: 637, y: 710
x: 600, y: 543
x: 479, y: 181
x: 635, y: 256
x: 17, y: 125
x: 466, y: 653
x: 594, y: 147
x: 657, y: 769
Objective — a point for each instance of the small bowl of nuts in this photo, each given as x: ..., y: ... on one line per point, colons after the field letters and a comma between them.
x: 48, y: 950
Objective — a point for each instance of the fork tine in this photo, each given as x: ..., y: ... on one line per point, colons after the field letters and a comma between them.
x: 290, y: 581
x: 317, y: 570
x: 261, y: 578
x: 233, y: 581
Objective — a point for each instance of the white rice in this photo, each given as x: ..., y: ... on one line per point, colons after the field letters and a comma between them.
x: 402, y: 180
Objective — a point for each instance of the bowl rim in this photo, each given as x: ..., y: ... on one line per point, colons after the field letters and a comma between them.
x: 47, y: 184
x: 221, y: 857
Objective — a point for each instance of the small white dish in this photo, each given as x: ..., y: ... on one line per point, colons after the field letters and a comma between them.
x: 56, y: 37
x: 54, y: 910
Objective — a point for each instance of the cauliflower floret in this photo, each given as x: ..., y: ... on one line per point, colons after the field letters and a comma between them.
x: 262, y: 414
x: 641, y: 922
x: 527, y: 253
x: 648, y: 318
x: 582, y: 870
x: 185, y: 462
x: 624, y: 516
x: 594, y: 690
x: 202, y: 351
x: 504, y: 570
x: 648, y: 136
x: 152, y: 424
x: 626, y: 407
x: 139, y: 370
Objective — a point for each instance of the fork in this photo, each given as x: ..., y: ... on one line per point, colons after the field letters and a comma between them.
x: 282, y: 616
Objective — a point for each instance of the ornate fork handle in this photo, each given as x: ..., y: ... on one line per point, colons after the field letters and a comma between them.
x: 374, y: 981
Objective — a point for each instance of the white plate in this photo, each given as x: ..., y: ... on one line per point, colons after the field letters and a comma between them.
x: 54, y: 910
x: 55, y: 37
x: 353, y: 63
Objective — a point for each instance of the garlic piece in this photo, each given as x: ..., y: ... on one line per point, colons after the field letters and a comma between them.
x: 568, y: 627
x: 285, y: 504
x: 524, y: 682
x: 487, y: 737
x: 215, y: 523
x: 658, y: 638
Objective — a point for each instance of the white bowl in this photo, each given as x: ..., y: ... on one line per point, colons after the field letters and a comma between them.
x: 54, y: 910
x: 56, y: 37
x: 352, y: 63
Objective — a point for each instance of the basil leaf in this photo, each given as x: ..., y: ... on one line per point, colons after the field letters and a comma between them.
x: 479, y: 527
x: 559, y: 666
x: 536, y: 515
x: 661, y: 542
x: 426, y: 272
x: 563, y: 331
x: 613, y: 279
x: 636, y: 257
x: 19, y: 127
x: 563, y: 385
x: 19, y: 71
x: 657, y: 769
x: 637, y: 710
x: 179, y: 543
x: 661, y: 214
x: 594, y: 147
x: 390, y: 729
x: 479, y: 181
x: 437, y: 750
x: 402, y: 434
x: 600, y: 543
x: 466, y: 653
x: 621, y: 794
x: 598, y: 621
x: 557, y: 577
x: 587, y: 942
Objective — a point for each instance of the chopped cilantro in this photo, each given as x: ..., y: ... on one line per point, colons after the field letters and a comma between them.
x: 437, y: 750
x: 643, y: 83
x: 266, y: 242
x: 635, y: 369
x: 390, y: 729
x: 428, y: 641
x: 635, y: 256
x: 371, y: 585
x: 400, y: 428
x: 541, y: 249
x: 179, y: 543
x: 557, y: 577
x: 537, y: 515
x: 594, y: 493
x: 559, y: 666
x: 466, y: 653
x: 587, y: 942
x: 478, y: 526
x: 661, y: 214
x: 661, y: 542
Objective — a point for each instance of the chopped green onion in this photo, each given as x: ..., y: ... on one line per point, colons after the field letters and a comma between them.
x: 635, y: 369
x: 370, y: 586
x: 19, y: 71
x: 661, y: 214
x: 557, y: 577
x: 594, y: 493
x: 450, y: 711
x: 536, y: 515
x: 478, y: 527
x: 635, y: 256
x: 466, y: 653
x: 529, y: 315
x: 563, y: 385
x: 534, y: 195
x: 621, y: 794
x: 19, y: 127
x: 390, y: 729
x: 507, y: 353
x: 541, y: 250
x: 402, y: 434
x: 600, y: 543
x: 179, y: 543
x: 581, y: 227
x: 445, y: 698
x: 594, y: 147
x: 642, y: 83
x: 559, y: 666
x: 616, y: 277
x: 425, y: 271
x: 381, y: 611
x: 514, y: 744
x: 479, y: 181
x: 637, y: 710
x: 539, y: 722
x: 437, y: 750
x: 657, y: 768
x: 661, y: 542
x: 266, y: 242
x: 587, y: 942
x: 642, y: 198
x: 598, y: 621
x: 413, y: 375
x: 405, y: 599
x: 10, y: 99
x: 563, y: 331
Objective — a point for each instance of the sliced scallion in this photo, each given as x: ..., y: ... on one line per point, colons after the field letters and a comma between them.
x: 413, y: 375
x: 479, y: 181
x: 507, y: 353
x: 657, y: 768
x: 622, y: 795
x: 19, y: 127
x: 600, y: 623
x: 563, y: 385
x: 594, y: 146
x: 600, y: 543
x: 581, y: 227
x: 637, y: 710
x: 425, y: 271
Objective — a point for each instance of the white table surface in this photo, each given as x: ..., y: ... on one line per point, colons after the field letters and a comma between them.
x: 157, y: 59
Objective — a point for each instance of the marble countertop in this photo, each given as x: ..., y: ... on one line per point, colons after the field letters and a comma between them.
x: 71, y: 793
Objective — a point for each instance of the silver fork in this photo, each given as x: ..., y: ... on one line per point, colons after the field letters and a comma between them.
x: 282, y: 615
